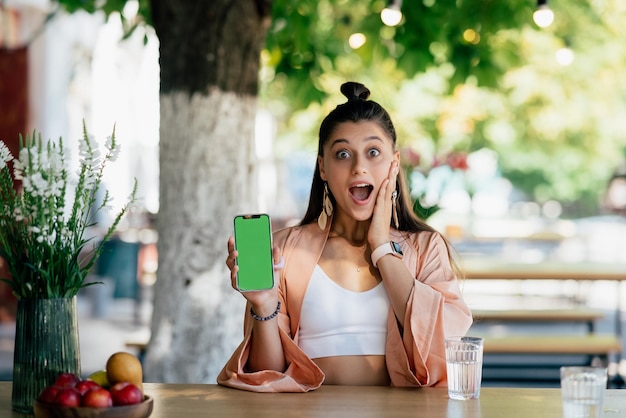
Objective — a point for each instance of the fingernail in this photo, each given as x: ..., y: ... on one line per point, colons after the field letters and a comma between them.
x: 280, y: 264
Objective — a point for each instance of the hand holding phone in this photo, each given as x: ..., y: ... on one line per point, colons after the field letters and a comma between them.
x: 253, y: 242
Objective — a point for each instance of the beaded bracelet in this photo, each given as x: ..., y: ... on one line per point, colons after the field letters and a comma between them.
x: 265, y: 318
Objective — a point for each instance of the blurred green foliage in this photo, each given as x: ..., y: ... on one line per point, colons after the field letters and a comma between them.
x: 465, y: 75
x: 457, y: 75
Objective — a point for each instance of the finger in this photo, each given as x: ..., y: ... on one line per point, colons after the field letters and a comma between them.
x: 232, y: 254
x: 393, y: 176
x: 234, y: 268
x: 384, y: 193
x: 233, y: 276
x: 230, y: 258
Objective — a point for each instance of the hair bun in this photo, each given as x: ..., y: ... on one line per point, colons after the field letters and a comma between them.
x: 355, y: 91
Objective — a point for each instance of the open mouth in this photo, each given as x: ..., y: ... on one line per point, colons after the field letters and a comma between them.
x: 361, y: 191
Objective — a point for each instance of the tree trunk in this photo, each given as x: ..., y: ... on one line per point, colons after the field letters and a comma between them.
x: 209, y: 58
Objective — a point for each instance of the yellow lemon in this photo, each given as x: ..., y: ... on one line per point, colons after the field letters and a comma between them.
x: 100, y: 377
x: 124, y: 367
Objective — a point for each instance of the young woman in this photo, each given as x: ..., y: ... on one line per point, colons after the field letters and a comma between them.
x: 367, y: 292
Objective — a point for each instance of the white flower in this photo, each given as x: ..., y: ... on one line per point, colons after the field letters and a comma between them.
x: 39, y: 182
x: 89, y: 155
x: 21, y: 164
x: 52, y: 211
x: 113, y: 147
x: 55, y: 165
x: 5, y: 155
x: 55, y: 189
x: 85, y: 147
x: 90, y: 180
x: 28, y: 186
x: 17, y: 215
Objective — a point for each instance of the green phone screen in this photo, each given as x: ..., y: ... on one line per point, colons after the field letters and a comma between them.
x: 253, y: 240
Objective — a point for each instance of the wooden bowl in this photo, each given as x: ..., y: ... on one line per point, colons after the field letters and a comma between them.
x: 140, y: 410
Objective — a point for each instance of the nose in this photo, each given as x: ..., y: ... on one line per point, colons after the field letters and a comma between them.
x: 358, y: 166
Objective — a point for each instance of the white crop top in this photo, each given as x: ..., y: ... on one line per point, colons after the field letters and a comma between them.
x: 339, y: 322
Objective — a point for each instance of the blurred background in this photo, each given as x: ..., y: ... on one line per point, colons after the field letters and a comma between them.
x: 512, y: 129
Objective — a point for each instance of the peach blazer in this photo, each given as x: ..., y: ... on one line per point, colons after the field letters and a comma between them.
x: 415, y: 356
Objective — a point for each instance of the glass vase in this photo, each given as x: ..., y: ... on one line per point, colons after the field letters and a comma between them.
x: 46, y: 344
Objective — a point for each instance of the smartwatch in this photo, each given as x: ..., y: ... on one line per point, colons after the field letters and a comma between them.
x: 390, y: 247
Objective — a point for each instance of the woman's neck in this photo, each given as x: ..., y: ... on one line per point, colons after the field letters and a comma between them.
x: 353, y: 231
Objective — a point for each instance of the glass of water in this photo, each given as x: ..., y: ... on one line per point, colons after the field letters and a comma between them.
x: 582, y: 390
x: 464, y: 361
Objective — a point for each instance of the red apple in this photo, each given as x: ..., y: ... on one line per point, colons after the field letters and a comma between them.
x: 66, y: 380
x: 97, y: 398
x: 125, y: 393
x: 67, y: 397
x: 84, y: 385
x: 48, y: 394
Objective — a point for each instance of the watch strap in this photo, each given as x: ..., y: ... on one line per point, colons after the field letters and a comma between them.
x: 381, y: 251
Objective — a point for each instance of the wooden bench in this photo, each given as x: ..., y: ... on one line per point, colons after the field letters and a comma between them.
x: 589, y: 344
x: 537, y: 358
x: 583, y: 315
x: 596, y: 348
x: 594, y: 345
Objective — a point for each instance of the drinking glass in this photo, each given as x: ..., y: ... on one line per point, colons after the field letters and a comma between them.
x: 582, y: 391
x: 464, y: 361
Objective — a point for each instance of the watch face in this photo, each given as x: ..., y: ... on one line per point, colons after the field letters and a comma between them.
x: 396, y: 247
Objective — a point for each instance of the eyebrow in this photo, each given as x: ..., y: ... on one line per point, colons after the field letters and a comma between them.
x: 345, y: 141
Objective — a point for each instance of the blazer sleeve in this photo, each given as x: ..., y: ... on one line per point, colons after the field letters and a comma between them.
x: 301, y: 375
x: 435, y: 309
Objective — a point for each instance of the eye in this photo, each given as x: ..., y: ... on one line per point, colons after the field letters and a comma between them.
x: 342, y: 155
x: 374, y: 152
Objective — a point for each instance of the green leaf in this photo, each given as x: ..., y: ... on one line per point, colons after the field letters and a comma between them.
x: 424, y: 212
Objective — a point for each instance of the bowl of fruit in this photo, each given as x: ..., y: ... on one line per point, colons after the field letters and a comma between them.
x: 116, y: 392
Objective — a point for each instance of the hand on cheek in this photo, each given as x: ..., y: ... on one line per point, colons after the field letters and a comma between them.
x: 379, y: 228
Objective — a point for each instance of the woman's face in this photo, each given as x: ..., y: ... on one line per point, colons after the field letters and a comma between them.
x: 357, y: 158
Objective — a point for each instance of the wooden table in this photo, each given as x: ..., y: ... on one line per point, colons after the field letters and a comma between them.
x: 194, y: 400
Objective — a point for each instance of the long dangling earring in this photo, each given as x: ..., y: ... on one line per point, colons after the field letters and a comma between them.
x: 327, y: 209
x: 394, y: 208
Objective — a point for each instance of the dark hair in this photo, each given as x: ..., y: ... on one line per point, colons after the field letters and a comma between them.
x: 358, y: 108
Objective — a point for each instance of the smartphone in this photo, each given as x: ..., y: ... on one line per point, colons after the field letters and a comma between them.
x: 253, y: 242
